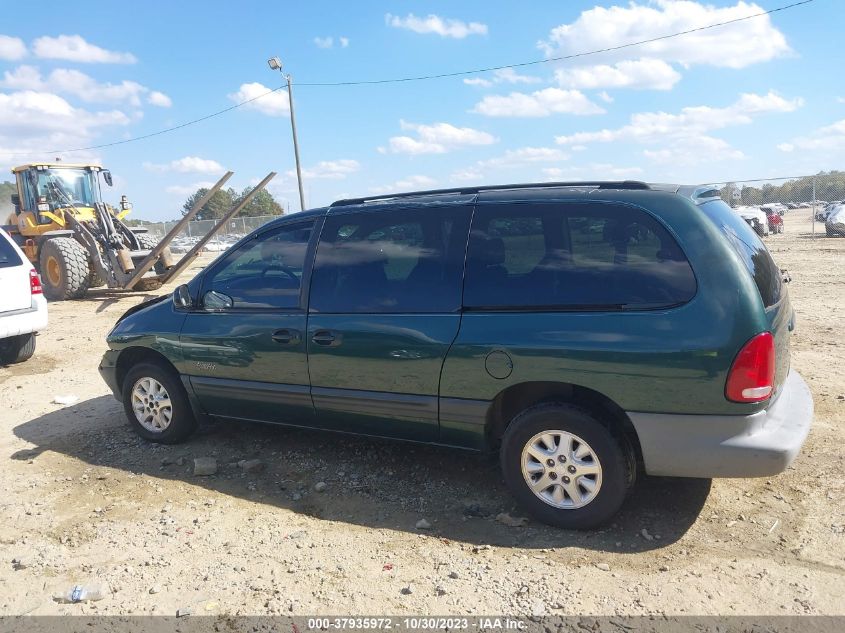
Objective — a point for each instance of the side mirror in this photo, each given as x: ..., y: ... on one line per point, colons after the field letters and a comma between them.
x: 107, y: 177
x: 213, y: 300
x: 182, y: 298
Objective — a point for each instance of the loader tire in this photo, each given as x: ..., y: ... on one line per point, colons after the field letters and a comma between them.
x: 65, y: 273
x: 147, y: 241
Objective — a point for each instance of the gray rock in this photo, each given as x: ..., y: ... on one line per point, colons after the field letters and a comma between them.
x: 155, y: 589
x: 20, y: 563
x: 603, y: 566
x: 422, y: 524
x: 183, y: 613
x: 251, y: 465
x: 407, y: 591
x: 320, y: 486
x: 538, y: 609
x: 440, y: 590
x: 454, y: 574
x: 204, y: 466
x: 644, y: 533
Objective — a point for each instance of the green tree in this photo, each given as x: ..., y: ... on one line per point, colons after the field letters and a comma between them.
x: 262, y: 203
x: 6, y: 191
x: 215, y: 208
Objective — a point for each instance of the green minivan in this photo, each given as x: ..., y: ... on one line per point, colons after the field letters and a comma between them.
x: 585, y: 331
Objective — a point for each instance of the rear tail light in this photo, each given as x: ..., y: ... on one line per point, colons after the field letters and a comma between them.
x: 752, y: 375
x: 34, y: 283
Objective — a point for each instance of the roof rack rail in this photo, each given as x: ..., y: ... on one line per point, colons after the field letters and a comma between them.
x: 597, y: 184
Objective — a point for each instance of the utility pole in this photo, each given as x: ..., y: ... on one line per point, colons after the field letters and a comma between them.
x: 276, y: 64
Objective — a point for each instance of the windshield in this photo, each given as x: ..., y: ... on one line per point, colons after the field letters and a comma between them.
x: 63, y: 185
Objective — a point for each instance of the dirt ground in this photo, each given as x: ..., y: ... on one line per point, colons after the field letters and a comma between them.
x: 85, y: 501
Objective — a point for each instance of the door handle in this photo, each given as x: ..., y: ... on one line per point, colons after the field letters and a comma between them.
x: 326, y: 338
x: 286, y: 337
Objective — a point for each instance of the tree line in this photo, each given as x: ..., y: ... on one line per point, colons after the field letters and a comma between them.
x: 830, y: 186
x: 263, y: 203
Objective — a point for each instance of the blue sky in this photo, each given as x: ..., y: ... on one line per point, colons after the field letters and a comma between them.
x: 759, y: 98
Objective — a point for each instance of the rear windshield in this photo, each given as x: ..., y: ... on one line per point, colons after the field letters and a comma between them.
x: 8, y: 256
x: 750, y: 249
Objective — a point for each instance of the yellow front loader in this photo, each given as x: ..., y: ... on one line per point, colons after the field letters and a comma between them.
x: 73, y: 238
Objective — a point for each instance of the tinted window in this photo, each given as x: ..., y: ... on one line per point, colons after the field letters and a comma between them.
x: 577, y: 256
x: 265, y: 272
x: 749, y: 247
x: 390, y: 261
x: 8, y: 256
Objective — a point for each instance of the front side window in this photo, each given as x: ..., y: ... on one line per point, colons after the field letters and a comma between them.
x: 573, y: 256
x: 265, y: 272
x: 395, y: 261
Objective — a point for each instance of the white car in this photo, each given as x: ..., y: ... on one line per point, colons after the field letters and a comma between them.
x: 756, y: 219
x: 23, y: 308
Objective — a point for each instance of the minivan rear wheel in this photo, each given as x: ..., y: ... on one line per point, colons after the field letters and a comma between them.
x: 156, y: 404
x: 564, y: 467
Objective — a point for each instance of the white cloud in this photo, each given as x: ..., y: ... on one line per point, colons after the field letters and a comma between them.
x: 840, y: 99
x: 188, y: 190
x: 605, y: 97
x: 827, y: 138
x: 437, y: 138
x: 324, y: 42
x: 651, y: 127
x: 525, y: 155
x: 11, y: 48
x: 344, y: 42
x: 643, y: 74
x: 188, y: 165
x: 594, y: 171
x: 33, y: 123
x: 411, y: 183
x: 159, y: 99
x: 272, y: 104
x: 328, y: 170
x: 444, y: 27
x: 464, y: 175
x: 75, y: 49
x: 734, y: 45
x: 502, y: 75
x: 82, y: 86
x: 540, y: 103
x: 693, y: 151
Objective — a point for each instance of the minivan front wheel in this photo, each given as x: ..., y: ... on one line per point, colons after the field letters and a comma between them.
x: 156, y: 404
x: 564, y: 467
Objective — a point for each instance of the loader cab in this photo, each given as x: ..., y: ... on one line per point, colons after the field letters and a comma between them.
x: 46, y: 189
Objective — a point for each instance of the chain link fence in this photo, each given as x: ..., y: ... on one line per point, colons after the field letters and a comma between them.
x: 234, y: 230
x: 802, y: 203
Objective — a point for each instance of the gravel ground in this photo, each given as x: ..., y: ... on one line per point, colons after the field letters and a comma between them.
x: 324, y: 524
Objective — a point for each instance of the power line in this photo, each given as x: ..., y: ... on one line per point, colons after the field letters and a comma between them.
x: 460, y: 73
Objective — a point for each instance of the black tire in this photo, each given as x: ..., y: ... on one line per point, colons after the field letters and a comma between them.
x: 182, y: 421
x: 64, y: 269
x: 147, y: 241
x: 617, y: 470
x: 17, y: 349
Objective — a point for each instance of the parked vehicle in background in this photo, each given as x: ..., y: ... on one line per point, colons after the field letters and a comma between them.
x: 834, y: 225
x: 776, y: 207
x: 23, y: 308
x: 821, y: 215
x: 548, y: 322
x: 774, y: 219
x: 755, y: 218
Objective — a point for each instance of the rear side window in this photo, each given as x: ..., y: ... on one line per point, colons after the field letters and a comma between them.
x: 585, y: 256
x: 750, y: 249
x: 390, y: 261
x: 8, y: 255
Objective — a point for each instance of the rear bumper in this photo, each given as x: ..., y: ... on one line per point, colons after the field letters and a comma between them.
x: 757, y: 445
x: 108, y: 370
x: 32, y: 319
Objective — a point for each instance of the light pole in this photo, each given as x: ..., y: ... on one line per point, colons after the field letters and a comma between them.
x: 276, y: 64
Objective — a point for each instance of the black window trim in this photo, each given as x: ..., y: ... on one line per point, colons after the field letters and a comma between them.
x: 304, y: 282
x: 578, y: 308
